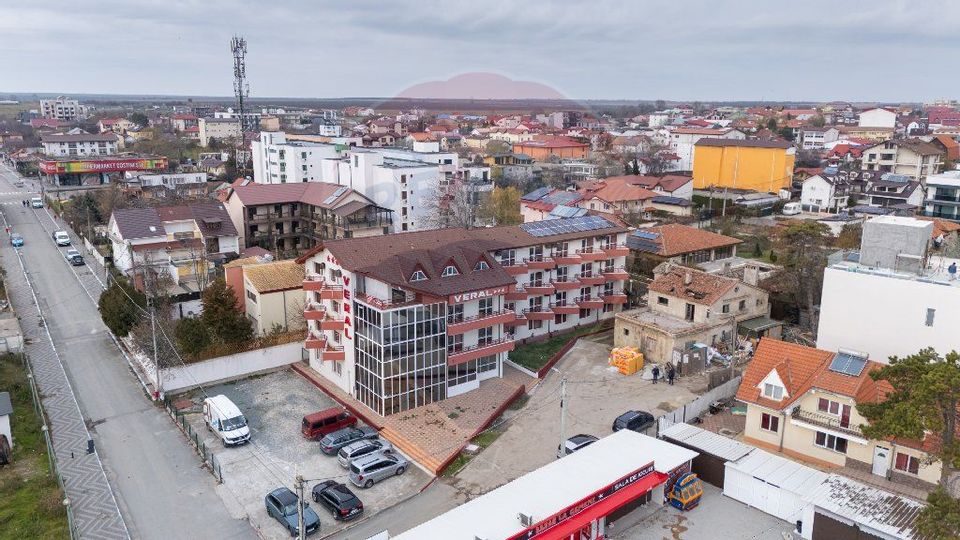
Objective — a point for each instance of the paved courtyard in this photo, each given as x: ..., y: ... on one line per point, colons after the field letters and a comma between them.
x: 274, y: 405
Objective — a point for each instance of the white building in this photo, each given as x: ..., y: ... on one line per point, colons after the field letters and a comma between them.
x: 80, y: 144
x: 943, y: 196
x: 894, y: 297
x: 219, y: 129
x: 878, y: 118
x: 812, y: 138
x: 683, y: 139
x: 279, y: 161
x: 62, y: 108
x: 824, y: 193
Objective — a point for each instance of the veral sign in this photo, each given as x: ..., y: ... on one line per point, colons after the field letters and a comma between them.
x: 477, y: 295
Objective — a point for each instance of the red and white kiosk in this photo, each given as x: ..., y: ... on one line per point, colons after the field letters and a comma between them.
x: 577, y: 497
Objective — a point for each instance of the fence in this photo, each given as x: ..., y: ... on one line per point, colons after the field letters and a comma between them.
x: 38, y: 408
x: 700, y: 405
x: 208, y: 456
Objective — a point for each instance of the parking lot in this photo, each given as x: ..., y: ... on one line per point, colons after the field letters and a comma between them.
x: 274, y: 405
x: 596, y: 395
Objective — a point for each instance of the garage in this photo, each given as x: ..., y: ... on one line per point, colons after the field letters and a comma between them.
x: 772, y: 484
x: 844, y: 509
x: 714, y: 450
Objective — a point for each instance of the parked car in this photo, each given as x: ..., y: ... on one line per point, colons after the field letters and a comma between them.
x: 332, y: 442
x: 316, y: 425
x: 225, y: 419
x: 36, y: 202
x: 368, y: 470
x: 61, y: 238
x: 282, y: 506
x: 638, y: 421
x: 575, y: 443
x: 18, y: 183
x: 73, y: 257
x: 359, y: 449
x: 338, y: 498
x: 16, y: 240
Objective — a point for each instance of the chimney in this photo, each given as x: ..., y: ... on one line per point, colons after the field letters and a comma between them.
x: 751, y: 274
x: 688, y: 278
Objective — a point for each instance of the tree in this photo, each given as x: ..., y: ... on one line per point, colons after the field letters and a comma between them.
x: 121, y: 307
x: 924, y: 399
x: 786, y: 132
x: 850, y: 236
x: 449, y: 204
x: 222, y: 316
x: 192, y: 335
x: 818, y: 121
x: 808, y: 158
x: 503, y: 206
x: 498, y: 147
x: 655, y: 158
x: 803, y: 259
x: 140, y: 119
x: 772, y: 124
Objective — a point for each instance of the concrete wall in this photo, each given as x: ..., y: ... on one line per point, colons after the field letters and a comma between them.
x: 235, y: 366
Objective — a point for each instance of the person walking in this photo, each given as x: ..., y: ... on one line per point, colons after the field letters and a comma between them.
x: 952, y: 270
x: 656, y: 373
x: 671, y: 374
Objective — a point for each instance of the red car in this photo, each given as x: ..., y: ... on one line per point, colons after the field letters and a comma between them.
x: 316, y: 425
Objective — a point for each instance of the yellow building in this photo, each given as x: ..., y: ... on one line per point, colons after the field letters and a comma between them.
x: 765, y: 166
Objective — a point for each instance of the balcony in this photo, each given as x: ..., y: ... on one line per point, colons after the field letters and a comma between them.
x: 538, y: 313
x: 591, y: 279
x: 465, y: 324
x: 314, y: 312
x: 617, y: 298
x: 591, y: 254
x: 328, y: 291
x: 518, y: 293
x: 566, y: 284
x: 590, y: 302
x: 827, y: 421
x: 946, y: 198
x: 472, y: 352
x: 540, y: 263
x: 331, y: 323
x: 332, y: 352
x: 313, y: 341
x: 312, y: 282
x: 514, y: 268
x: 539, y: 289
x: 566, y: 258
x: 567, y: 308
x: 616, y: 274
x: 616, y: 250
x: 518, y: 319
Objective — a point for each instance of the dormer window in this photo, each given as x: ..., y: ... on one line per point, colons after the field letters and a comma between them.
x: 773, y: 391
x: 450, y: 271
x: 418, y: 276
x: 481, y: 265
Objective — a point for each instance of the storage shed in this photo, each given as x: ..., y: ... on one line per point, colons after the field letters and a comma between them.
x: 714, y: 450
x: 843, y: 509
x: 772, y: 484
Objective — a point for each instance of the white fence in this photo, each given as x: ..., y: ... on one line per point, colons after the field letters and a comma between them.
x: 235, y: 366
x: 700, y: 405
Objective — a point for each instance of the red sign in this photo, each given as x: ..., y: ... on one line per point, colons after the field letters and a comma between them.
x: 102, y: 165
x: 583, y: 504
x: 476, y: 295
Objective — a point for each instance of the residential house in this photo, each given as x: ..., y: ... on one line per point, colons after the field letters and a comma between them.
x: 943, y: 196
x: 120, y: 126
x: 894, y: 191
x: 165, y: 186
x: 878, y: 118
x: 813, y: 138
x: 764, y: 166
x: 541, y: 203
x: 270, y: 293
x: 824, y: 193
x: 687, y: 307
x: 183, y: 121
x: 510, y: 166
x: 182, y: 243
x: 293, y: 218
x: 80, y: 144
x: 802, y: 401
x: 561, y: 147
x: 616, y: 194
x: 679, y: 244
x: 911, y: 157
x: 218, y: 129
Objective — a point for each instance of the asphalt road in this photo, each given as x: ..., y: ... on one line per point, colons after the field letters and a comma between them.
x: 159, y: 484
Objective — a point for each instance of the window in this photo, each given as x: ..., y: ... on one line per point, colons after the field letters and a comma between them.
x: 726, y: 308
x: 534, y: 325
x: 454, y: 313
x: 831, y: 442
x: 481, y: 265
x: 626, y: 331
x: 907, y: 463
x: 418, y: 276
x: 773, y: 391
x: 484, y: 336
x: 486, y: 307
x: 690, y: 312
x: 930, y: 313
x: 769, y: 422
x: 663, y: 301
x: 560, y: 318
x: 450, y: 271
x: 742, y: 305
x: 252, y: 297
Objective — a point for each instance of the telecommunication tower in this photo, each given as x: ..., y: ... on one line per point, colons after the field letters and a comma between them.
x: 241, y: 88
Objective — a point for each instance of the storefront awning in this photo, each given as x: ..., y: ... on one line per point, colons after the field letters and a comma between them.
x: 604, y: 507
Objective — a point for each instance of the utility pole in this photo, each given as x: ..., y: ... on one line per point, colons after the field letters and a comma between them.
x: 156, y: 357
x: 300, y: 528
x: 563, y: 414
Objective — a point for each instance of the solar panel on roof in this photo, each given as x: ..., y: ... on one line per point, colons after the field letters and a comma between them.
x: 340, y: 191
x: 552, y: 227
x: 848, y: 363
x: 536, y: 194
x: 647, y: 235
x: 561, y: 211
x: 562, y: 197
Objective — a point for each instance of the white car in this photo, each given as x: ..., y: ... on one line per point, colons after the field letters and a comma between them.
x: 61, y: 238
x: 792, y: 209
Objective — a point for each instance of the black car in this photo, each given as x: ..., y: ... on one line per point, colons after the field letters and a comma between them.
x: 338, y: 499
x: 331, y: 443
x: 638, y: 421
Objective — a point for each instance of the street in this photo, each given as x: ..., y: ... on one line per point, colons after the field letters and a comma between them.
x: 159, y: 485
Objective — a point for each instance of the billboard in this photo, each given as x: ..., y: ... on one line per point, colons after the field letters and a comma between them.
x: 80, y: 166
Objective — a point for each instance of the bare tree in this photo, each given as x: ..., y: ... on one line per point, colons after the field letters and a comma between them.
x: 449, y: 204
x: 656, y: 158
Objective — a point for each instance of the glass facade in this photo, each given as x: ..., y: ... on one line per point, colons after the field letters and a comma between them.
x: 400, y: 356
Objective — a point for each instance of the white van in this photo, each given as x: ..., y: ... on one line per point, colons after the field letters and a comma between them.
x: 36, y: 202
x: 225, y: 419
x: 791, y: 209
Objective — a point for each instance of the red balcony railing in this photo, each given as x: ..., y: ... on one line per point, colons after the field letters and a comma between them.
x: 618, y: 273
x: 515, y: 269
x: 566, y: 283
x: 591, y: 279
x: 567, y: 258
x: 465, y: 324
x: 568, y: 308
x: 538, y: 313
x: 616, y: 250
x: 539, y: 288
x: 314, y: 311
x: 592, y: 254
x: 615, y: 298
x: 465, y: 354
x: 590, y: 302
x: 540, y: 263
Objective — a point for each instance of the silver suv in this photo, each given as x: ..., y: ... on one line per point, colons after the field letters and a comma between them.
x: 368, y: 470
x: 359, y: 449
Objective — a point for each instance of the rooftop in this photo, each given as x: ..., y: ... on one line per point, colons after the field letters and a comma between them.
x: 703, y: 288
x: 275, y: 276
x: 935, y: 273
x: 866, y: 506
x: 673, y: 239
x: 745, y: 143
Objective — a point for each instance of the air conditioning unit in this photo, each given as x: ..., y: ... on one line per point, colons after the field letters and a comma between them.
x: 525, y: 519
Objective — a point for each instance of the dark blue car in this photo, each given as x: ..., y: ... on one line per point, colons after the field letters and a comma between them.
x: 282, y: 506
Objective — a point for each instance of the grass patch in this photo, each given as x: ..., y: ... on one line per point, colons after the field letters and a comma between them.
x: 519, y: 403
x: 534, y: 356
x: 486, y: 438
x: 457, y: 465
x: 30, y: 498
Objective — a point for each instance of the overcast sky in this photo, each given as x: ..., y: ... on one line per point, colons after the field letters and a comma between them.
x: 622, y: 49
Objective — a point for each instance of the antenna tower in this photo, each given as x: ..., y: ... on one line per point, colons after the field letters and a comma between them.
x: 241, y: 88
